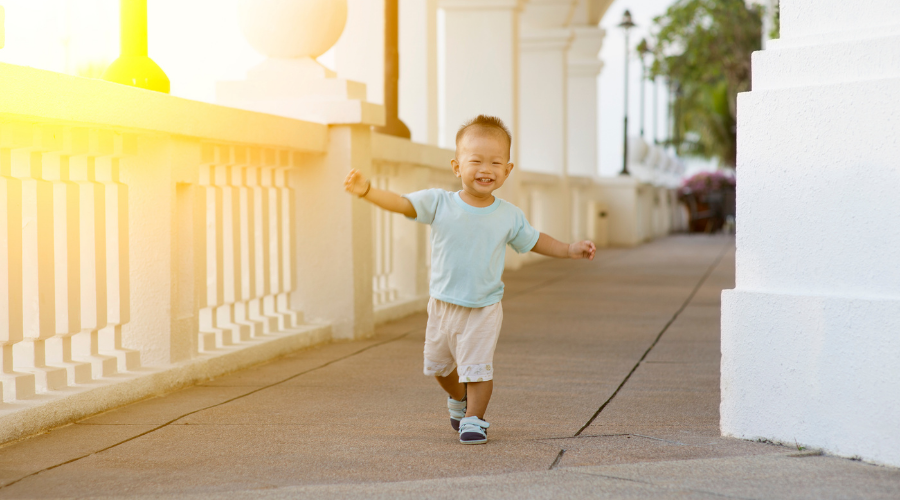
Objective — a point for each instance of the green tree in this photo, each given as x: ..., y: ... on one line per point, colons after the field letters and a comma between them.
x: 703, y: 47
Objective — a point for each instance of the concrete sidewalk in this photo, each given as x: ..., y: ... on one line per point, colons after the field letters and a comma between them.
x: 607, y: 386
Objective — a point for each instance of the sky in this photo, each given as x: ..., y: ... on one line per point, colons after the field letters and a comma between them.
x: 198, y: 42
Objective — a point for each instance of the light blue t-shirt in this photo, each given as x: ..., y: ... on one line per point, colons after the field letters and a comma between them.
x: 468, y: 245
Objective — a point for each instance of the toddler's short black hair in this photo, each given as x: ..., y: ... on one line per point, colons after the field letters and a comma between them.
x: 487, y: 123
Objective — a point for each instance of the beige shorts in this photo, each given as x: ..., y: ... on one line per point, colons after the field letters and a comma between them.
x: 463, y: 338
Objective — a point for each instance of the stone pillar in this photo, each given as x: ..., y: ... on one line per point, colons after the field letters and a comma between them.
x: 809, y: 334
x: 334, y: 237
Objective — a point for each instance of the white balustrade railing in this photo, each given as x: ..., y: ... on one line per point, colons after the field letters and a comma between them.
x: 179, y: 232
x: 401, y: 248
x: 151, y: 237
x: 247, y: 215
x: 65, y: 260
x: 383, y: 290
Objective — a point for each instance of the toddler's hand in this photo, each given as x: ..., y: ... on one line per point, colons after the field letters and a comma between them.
x: 355, y: 183
x: 582, y: 250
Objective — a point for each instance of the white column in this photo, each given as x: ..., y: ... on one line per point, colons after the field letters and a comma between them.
x: 479, y: 70
x: 583, y: 68
x: 418, y: 69
x: 809, y: 334
x: 544, y: 41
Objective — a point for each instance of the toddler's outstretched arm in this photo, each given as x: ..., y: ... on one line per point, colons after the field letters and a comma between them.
x: 547, y: 245
x: 356, y: 184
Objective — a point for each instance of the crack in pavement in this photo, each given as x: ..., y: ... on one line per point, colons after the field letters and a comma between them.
x: 687, y: 301
x: 559, y: 456
x: 258, y: 389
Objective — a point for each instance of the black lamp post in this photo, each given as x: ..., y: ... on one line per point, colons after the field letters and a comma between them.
x: 626, y: 24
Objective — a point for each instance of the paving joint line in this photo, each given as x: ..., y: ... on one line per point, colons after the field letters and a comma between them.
x: 132, y: 438
x: 582, y: 436
x: 661, y: 439
x: 664, y: 486
x: 687, y: 301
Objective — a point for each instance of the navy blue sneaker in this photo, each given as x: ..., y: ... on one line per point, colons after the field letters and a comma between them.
x: 473, y: 430
x: 457, y: 411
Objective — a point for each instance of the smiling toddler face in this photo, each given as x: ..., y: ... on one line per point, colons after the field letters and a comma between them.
x: 482, y: 161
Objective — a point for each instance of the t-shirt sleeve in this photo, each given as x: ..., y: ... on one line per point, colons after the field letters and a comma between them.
x: 425, y: 202
x: 523, y: 235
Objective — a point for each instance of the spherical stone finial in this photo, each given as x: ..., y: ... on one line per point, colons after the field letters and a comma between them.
x: 291, y: 29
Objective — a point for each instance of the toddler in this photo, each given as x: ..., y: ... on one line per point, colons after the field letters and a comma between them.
x: 470, y: 230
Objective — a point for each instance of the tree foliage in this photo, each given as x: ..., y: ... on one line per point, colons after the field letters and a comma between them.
x: 703, y: 48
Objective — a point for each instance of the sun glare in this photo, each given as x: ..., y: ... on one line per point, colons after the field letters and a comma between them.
x: 196, y: 42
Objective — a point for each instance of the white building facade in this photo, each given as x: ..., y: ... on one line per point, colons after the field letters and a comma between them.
x: 810, y: 343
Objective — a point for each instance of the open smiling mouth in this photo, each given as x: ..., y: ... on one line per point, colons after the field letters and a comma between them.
x: 484, y: 180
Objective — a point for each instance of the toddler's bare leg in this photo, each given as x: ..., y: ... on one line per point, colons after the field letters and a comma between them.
x: 451, y: 384
x: 479, y: 395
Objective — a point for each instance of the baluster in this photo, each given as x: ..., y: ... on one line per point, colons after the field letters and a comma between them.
x: 256, y: 180
x: 117, y: 268
x: 243, y: 245
x: 388, y: 240
x: 292, y: 318
x: 377, y: 236
x: 38, y: 266
x: 206, y: 338
x: 213, y: 251
x: 273, y: 247
x: 230, y: 246
x: 15, y: 385
x: 92, y: 239
x: 243, y: 174
x: 383, y: 291
x: 66, y: 239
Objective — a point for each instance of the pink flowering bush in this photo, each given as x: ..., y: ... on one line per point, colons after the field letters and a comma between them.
x: 703, y: 183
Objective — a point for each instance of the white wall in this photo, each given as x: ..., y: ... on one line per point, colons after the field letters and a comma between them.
x: 809, y: 335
